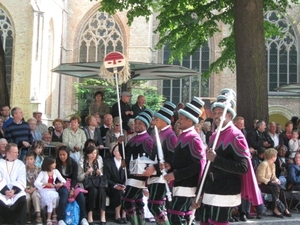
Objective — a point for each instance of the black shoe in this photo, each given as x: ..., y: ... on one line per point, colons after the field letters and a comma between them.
x: 287, y: 214
x: 259, y: 216
x: 125, y: 220
x: 278, y: 215
x: 243, y: 218
x: 249, y: 217
x: 102, y: 223
x: 119, y: 221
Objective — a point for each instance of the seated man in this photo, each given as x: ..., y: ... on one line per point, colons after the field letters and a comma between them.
x: 12, y: 186
x: 293, y: 177
x: 49, y: 148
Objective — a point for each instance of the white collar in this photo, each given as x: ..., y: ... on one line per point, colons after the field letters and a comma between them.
x: 166, y: 127
x: 188, y: 129
x: 142, y: 132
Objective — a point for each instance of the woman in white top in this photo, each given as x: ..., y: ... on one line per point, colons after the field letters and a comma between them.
x: 74, y: 138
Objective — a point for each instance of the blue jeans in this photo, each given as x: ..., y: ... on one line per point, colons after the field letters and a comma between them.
x: 63, y: 201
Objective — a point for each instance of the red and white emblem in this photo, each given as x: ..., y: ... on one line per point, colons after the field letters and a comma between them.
x: 114, y: 60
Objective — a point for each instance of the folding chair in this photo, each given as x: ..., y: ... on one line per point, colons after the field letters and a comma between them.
x: 293, y: 193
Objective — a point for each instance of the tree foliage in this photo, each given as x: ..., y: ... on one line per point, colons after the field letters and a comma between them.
x: 185, y: 25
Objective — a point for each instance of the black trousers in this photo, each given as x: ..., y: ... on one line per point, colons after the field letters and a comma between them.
x: 14, y: 214
x: 276, y: 191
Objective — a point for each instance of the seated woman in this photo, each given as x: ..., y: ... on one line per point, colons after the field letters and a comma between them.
x: 294, y: 174
x: 69, y: 170
x: 57, y: 132
x: 116, y: 182
x: 92, y: 164
x: 269, y: 183
x: 114, y: 135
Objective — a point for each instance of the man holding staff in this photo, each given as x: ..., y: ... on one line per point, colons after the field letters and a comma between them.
x: 188, y: 163
x: 230, y: 175
x: 138, y: 145
x: 156, y: 183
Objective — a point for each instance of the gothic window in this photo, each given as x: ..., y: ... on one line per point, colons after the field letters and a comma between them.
x: 101, y: 35
x: 281, y: 53
x: 7, y: 37
x: 183, y: 90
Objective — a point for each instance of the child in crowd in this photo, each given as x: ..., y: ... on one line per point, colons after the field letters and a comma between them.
x: 32, y: 193
x: 294, y: 144
x: 37, y: 147
x: 46, y: 185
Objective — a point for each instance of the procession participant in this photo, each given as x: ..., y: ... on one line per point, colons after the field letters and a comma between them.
x: 12, y: 187
x: 138, y: 145
x: 188, y: 163
x: 224, y: 185
x: 156, y: 183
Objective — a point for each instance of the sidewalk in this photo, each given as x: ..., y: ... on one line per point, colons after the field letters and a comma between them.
x: 266, y: 220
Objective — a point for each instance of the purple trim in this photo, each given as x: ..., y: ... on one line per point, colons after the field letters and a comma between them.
x: 157, y: 202
x: 139, y: 200
x: 128, y: 199
x: 175, y: 212
x: 188, y: 213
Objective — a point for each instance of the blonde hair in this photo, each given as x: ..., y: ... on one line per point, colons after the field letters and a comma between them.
x: 270, y: 152
x: 112, y: 146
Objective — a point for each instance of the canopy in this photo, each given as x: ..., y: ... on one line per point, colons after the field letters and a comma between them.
x: 294, y: 88
x: 139, y: 70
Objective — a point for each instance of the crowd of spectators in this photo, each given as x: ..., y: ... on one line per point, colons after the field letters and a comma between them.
x: 59, y: 157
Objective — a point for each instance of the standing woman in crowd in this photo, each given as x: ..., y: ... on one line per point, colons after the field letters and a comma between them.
x: 74, y: 138
x: 69, y: 170
x: 99, y: 106
x: 92, y: 165
x: 285, y: 136
x: 58, y: 130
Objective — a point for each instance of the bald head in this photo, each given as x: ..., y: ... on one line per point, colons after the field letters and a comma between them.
x: 3, y: 144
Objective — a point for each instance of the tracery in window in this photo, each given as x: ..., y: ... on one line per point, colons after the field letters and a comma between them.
x: 7, y: 37
x: 101, y: 35
x: 281, y: 53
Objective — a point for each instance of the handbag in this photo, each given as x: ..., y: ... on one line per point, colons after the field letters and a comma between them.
x: 72, y: 213
x: 280, y: 206
x: 95, y: 181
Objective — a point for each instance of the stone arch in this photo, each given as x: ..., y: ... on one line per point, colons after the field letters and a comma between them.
x: 280, y: 111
